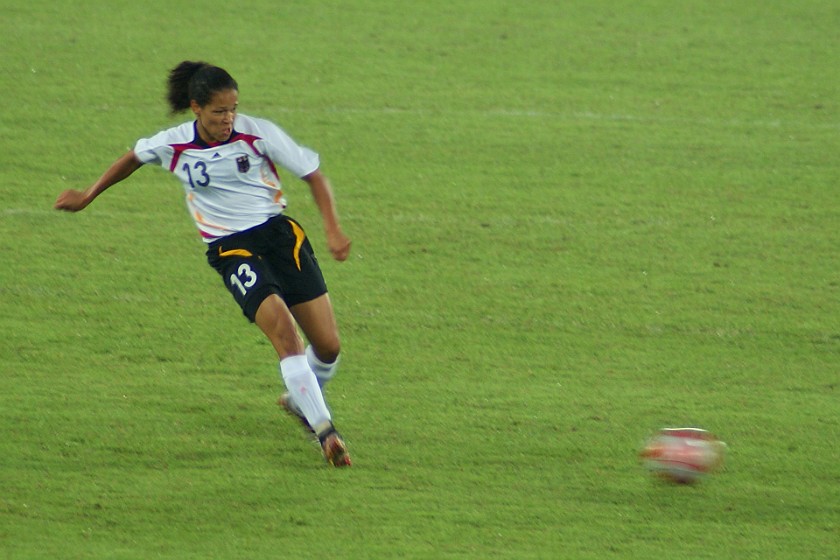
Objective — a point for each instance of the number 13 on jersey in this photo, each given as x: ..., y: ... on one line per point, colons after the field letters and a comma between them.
x: 201, y: 179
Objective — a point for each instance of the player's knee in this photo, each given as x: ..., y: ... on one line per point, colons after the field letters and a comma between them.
x: 328, y: 352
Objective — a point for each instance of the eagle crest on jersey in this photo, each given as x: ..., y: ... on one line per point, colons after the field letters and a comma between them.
x: 243, y: 164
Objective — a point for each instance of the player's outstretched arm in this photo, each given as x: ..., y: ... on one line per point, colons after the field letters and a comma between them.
x: 338, y: 243
x: 73, y: 200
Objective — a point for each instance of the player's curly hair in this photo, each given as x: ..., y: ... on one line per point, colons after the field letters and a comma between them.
x: 197, y: 81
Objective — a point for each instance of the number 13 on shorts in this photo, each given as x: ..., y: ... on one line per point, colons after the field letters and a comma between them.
x: 244, y: 278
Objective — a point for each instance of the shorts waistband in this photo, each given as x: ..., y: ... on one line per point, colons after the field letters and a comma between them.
x: 232, y: 237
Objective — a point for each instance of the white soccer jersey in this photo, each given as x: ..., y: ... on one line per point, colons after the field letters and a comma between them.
x: 232, y: 186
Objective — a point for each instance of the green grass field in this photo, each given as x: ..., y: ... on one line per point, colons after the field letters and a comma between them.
x: 574, y: 223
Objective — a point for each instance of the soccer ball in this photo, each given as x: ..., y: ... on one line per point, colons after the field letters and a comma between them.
x: 683, y: 455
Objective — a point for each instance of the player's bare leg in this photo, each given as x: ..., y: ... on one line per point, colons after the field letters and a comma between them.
x: 278, y: 324
x: 317, y: 320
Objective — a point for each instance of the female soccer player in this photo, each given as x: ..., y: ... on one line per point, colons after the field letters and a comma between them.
x: 226, y: 162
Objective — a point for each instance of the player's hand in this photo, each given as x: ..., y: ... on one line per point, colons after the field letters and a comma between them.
x: 71, y: 200
x: 339, y: 245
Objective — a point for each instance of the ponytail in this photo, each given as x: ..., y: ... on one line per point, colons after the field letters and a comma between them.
x: 196, y: 81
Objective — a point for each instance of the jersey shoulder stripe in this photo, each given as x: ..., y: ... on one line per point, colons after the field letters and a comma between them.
x: 198, y: 144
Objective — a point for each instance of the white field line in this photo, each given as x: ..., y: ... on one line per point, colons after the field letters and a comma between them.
x: 28, y: 211
x: 579, y: 116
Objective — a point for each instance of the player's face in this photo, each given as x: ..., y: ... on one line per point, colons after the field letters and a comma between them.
x: 215, y: 119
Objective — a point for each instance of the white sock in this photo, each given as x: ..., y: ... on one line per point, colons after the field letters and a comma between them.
x: 305, y: 392
x: 322, y: 370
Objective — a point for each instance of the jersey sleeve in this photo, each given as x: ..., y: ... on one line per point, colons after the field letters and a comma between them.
x: 283, y: 150
x: 158, y: 149
x: 152, y: 150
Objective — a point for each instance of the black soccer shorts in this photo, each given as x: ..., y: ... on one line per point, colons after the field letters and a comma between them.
x: 272, y: 258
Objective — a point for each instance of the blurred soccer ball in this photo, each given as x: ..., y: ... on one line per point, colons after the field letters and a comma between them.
x: 683, y: 455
